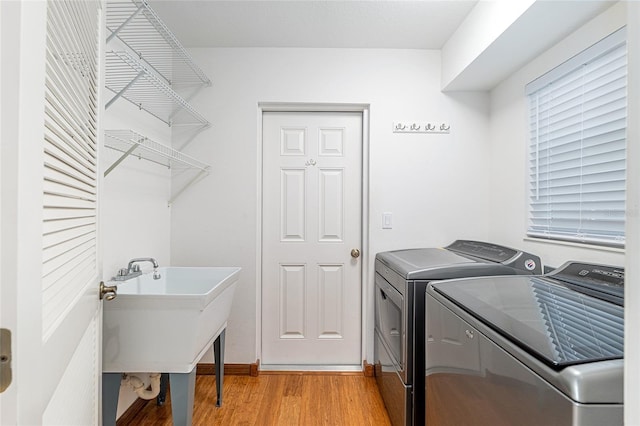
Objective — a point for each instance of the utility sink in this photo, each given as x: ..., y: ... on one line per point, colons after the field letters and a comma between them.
x: 166, y: 325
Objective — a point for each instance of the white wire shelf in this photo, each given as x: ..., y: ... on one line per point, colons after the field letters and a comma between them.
x: 128, y: 78
x: 132, y: 143
x: 137, y: 25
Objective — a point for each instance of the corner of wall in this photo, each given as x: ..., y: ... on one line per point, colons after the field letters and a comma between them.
x: 483, y: 26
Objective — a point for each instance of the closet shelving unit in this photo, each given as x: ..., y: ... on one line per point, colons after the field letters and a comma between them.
x: 131, y: 79
x: 140, y: 28
x: 131, y: 143
x: 147, y: 65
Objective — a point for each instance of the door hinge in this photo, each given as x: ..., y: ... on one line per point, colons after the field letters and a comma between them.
x: 5, y: 359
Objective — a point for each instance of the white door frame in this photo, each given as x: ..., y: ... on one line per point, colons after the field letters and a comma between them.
x: 366, y: 258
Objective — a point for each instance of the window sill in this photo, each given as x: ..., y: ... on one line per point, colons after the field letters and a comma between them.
x: 575, y: 245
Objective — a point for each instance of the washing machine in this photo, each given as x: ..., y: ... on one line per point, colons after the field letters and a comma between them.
x: 401, y: 280
x: 540, y: 350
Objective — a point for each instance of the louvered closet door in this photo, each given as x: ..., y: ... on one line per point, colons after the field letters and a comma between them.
x: 70, y: 309
x: 50, y: 213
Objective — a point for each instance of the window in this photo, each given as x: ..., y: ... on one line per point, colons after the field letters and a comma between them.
x: 577, y: 147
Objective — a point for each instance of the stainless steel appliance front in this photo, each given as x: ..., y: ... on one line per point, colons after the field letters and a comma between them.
x: 400, y: 284
x: 528, y: 350
x: 390, y: 346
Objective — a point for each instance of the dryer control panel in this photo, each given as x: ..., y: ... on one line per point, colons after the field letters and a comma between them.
x: 526, y: 262
x: 602, y: 281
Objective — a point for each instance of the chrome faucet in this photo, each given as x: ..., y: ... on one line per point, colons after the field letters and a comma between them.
x: 142, y: 259
x: 133, y: 269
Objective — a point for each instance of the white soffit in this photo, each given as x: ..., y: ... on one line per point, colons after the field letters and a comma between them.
x: 416, y: 24
x: 536, y: 30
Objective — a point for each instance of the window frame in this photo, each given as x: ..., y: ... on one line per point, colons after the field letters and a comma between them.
x: 535, y: 224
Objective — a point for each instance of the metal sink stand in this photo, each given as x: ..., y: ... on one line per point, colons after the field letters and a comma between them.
x: 183, y: 387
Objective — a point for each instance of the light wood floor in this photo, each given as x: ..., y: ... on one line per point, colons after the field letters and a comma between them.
x: 280, y: 399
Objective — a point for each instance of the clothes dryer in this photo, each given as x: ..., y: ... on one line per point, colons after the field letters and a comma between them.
x: 399, y: 338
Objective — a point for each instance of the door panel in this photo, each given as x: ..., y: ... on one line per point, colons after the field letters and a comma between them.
x: 331, y: 209
x: 292, y: 301
x: 312, y: 180
x: 70, y: 304
x: 293, y: 205
x: 77, y: 384
x: 330, y: 291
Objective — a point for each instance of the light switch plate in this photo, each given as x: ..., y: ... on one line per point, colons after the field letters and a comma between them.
x: 387, y: 220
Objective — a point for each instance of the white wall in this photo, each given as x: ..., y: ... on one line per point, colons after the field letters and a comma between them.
x: 509, y: 132
x: 435, y: 185
x: 134, y: 217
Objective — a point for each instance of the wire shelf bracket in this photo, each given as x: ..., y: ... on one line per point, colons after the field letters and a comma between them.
x: 131, y: 143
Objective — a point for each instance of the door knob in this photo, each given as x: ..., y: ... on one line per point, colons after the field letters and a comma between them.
x: 5, y: 359
x: 108, y: 292
x: 355, y: 253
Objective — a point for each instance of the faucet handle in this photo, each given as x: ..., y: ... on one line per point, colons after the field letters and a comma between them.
x: 122, y: 272
x: 135, y: 268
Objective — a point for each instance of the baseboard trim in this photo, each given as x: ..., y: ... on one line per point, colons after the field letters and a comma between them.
x: 127, y: 417
x: 309, y: 373
x: 255, y: 368
x: 367, y: 369
x: 209, y: 369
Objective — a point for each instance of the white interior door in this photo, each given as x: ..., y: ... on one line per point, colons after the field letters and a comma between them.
x: 50, y: 260
x: 312, y: 196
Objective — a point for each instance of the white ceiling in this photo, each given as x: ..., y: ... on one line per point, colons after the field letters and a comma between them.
x: 416, y: 24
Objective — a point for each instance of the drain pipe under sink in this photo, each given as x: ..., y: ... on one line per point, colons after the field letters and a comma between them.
x: 138, y: 385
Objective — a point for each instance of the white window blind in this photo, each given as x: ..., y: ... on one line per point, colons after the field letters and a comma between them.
x: 577, y: 148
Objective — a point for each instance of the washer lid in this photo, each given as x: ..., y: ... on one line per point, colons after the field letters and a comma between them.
x: 405, y: 261
x: 543, y: 316
x: 439, y: 264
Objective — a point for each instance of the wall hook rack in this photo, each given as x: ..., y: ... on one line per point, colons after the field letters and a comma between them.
x: 416, y: 127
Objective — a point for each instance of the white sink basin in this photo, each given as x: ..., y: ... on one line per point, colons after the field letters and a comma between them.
x: 166, y: 325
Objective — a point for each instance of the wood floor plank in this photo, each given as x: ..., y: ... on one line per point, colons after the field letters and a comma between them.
x: 279, y: 399
x: 289, y: 410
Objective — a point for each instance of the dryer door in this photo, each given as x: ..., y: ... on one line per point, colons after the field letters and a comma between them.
x: 391, y: 323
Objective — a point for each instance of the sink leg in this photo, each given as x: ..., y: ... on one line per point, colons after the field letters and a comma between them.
x: 183, y: 386
x: 164, y: 383
x: 110, y: 393
x: 218, y: 353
